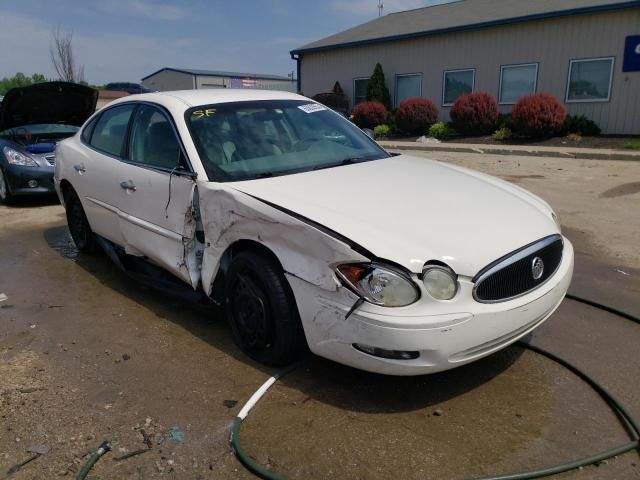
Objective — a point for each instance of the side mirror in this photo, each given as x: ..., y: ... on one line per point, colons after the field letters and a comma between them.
x: 369, y: 133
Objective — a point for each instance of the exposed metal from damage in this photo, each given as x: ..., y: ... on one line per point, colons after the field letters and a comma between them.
x: 307, y: 253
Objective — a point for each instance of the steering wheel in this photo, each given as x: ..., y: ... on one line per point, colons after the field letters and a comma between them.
x: 305, y: 143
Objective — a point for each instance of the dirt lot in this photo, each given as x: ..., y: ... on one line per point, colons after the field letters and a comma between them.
x: 86, y: 355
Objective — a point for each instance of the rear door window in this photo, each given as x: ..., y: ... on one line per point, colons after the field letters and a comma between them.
x: 111, y: 130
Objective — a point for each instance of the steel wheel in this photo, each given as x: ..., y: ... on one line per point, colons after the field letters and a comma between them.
x: 78, y: 224
x: 251, y: 313
x: 261, y: 310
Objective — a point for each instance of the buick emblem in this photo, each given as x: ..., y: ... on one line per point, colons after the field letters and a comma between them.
x: 537, y: 268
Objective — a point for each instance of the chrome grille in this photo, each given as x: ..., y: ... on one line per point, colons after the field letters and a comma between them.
x: 514, y: 274
x: 51, y: 160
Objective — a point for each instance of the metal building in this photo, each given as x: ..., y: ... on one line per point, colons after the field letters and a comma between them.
x: 187, y: 79
x: 585, y: 52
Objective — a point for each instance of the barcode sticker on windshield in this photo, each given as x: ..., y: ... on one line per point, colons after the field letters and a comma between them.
x: 312, y: 107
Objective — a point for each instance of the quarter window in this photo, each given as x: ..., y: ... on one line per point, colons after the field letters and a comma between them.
x: 517, y: 81
x: 590, y: 80
x: 457, y: 83
x: 88, y: 130
x: 152, y: 140
x: 360, y: 90
x: 111, y: 129
x: 408, y: 86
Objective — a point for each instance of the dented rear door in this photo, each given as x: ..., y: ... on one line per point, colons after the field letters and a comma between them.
x: 156, y: 197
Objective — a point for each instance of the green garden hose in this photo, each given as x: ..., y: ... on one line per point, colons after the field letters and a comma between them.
x: 95, y: 456
x: 625, y: 418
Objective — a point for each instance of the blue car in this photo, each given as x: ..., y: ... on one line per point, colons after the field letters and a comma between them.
x: 32, y: 120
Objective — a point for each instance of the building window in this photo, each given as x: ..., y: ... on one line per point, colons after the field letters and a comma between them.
x: 360, y: 89
x: 590, y: 80
x: 408, y: 86
x: 457, y: 83
x: 517, y: 81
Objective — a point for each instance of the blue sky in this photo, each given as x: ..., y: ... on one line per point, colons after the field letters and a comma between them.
x: 124, y: 40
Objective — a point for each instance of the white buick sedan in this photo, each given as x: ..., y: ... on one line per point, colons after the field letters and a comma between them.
x: 311, y: 234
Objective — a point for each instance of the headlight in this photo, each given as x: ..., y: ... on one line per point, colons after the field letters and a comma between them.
x: 440, y: 282
x: 378, y: 284
x: 15, y: 157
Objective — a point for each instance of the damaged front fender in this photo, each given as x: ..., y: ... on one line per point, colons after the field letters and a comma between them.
x: 305, y: 251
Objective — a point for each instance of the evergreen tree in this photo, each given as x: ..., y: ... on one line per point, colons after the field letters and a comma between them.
x: 377, y: 88
x: 337, y: 88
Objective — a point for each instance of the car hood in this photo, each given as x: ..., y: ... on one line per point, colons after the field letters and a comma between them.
x: 410, y: 210
x: 49, y: 102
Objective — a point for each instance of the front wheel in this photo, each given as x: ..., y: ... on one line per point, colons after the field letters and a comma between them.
x: 262, y: 311
x: 78, y: 224
x: 5, y: 193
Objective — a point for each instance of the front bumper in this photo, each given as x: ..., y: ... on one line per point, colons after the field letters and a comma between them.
x: 18, y: 178
x: 456, y: 333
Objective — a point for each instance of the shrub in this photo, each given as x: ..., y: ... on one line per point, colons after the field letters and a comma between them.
x: 382, y: 131
x: 632, y: 144
x: 581, y: 125
x: 475, y: 113
x: 337, y: 88
x: 369, y: 114
x: 574, y: 137
x: 416, y: 115
x: 539, y: 115
x: 502, y: 134
x: 440, y: 130
x: 505, y: 121
x: 334, y: 101
x: 377, y: 90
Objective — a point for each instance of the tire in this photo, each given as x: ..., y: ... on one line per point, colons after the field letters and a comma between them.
x: 78, y: 224
x: 5, y: 192
x: 262, y: 312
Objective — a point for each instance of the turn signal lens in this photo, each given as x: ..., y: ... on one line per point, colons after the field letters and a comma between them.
x: 380, y: 285
x: 440, y: 282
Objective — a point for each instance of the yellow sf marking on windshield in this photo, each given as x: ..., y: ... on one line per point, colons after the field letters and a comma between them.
x: 204, y: 113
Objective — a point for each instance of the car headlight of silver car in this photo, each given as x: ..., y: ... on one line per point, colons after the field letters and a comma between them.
x: 15, y: 157
x: 440, y: 282
x: 379, y: 284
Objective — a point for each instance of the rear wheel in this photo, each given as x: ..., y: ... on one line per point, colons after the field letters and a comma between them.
x: 78, y: 224
x: 261, y: 310
x: 5, y: 193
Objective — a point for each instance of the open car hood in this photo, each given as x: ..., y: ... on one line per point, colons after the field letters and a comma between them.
x: 46, y: 103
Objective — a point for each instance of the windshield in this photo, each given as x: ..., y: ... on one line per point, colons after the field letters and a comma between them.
x: 246, y: 140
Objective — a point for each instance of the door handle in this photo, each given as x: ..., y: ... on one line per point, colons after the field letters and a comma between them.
x: 129, y: 186
x: 80, y: 168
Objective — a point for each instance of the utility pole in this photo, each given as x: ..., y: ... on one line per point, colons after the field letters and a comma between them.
x: 380, y: 7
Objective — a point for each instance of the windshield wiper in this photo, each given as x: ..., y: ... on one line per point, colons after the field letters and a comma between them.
x: 262, y: 175
x: 346, y: 161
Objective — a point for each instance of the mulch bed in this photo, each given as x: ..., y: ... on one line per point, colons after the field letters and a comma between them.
x: 602, y: 141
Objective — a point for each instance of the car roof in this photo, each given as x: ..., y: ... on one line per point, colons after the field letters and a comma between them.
x: 191, y: 98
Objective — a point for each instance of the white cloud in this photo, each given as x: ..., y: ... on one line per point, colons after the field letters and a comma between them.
x: 145, y: 8
x: 369, y: 8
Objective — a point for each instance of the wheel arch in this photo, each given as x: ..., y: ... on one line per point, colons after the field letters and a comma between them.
x: 65, y: 189
x: 241, y: 245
